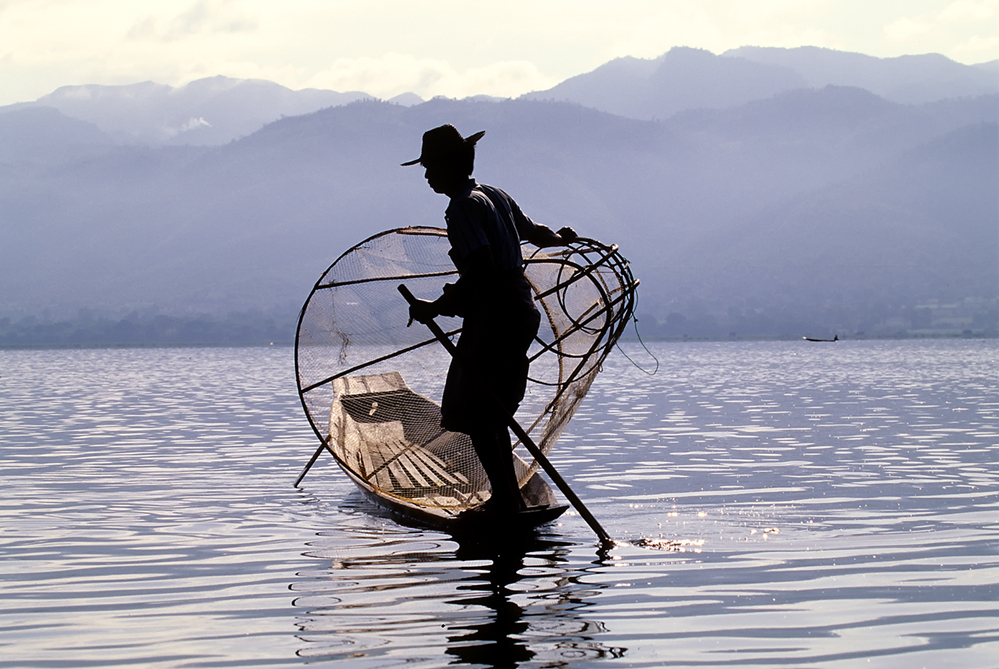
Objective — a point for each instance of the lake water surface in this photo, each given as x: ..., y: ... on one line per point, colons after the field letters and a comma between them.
x: 777, y: 504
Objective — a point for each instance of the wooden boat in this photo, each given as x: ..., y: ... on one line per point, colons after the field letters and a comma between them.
x: 389, y: 441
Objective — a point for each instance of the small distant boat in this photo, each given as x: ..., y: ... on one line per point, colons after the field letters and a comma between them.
x: 835, y: 338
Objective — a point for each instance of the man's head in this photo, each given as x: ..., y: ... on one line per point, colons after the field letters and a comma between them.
x: 448, y: 157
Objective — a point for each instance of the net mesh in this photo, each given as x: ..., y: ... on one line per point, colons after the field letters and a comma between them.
x: 371, y: 386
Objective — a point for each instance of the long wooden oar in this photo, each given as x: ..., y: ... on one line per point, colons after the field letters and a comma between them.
x: 525, y: 439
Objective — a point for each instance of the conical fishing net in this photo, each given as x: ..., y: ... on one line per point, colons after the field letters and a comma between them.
x: 371, y: 386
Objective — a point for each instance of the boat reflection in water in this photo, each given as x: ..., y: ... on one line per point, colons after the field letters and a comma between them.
x: 399, y: 595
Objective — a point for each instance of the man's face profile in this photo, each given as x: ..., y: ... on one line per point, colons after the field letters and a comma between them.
x: 435, y: 178
x: 445, y: 177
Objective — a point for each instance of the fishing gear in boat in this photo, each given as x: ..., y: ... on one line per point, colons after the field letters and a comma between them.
x: 371, y: 387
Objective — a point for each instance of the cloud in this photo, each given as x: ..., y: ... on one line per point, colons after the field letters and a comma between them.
x: 504, y: 79
x: 906, y: 29
x: 194, y: 123
x: 964, y: 29
x: 970, y: 10
x: 202, y: 17
x: 978, y: 49
x: 144, y: 28
x: 396, y: 73
x: 196, y: 18
x: 393, y: 46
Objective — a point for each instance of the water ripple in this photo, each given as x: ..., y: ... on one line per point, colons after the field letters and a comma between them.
x: 812, y: 505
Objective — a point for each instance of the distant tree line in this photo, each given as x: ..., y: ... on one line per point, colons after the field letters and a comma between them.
x: 256, y: 328
x: 876, y: 320
x: 237, y: 329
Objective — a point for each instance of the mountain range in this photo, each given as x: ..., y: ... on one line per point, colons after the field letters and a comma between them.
x: 209, y: 111
x: 755, y: 194
x: 686, y: 78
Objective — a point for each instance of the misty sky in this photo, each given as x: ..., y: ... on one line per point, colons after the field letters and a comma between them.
x: 443, y: 47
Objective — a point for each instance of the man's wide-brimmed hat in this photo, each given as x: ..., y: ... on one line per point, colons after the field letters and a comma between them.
x: 443, y: 144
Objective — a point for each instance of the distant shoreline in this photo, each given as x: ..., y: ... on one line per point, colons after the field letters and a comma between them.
x: 4, y: 346
x: 278, y: 327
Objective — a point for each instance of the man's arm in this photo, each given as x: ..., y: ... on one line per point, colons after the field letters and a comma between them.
x: 543, y: 236
x: 529, y: 231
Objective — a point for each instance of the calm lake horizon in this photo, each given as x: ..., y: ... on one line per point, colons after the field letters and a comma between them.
x: 776, y: 503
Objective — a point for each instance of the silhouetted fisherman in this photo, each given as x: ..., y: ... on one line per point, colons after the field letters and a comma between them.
x: 494, y: 299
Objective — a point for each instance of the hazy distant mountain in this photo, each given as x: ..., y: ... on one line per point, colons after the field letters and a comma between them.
x: 204, y: 112
x: 407, y: 99
x: 810, y: 136
x: 920, y: 229
x: 35, y: 134
x: 216, y: 110
x: 683, y: 78
x: 724, y: 213
x: 907, y: 79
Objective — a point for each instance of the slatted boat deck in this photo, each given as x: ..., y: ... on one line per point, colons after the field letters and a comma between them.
x: 391, y: 439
